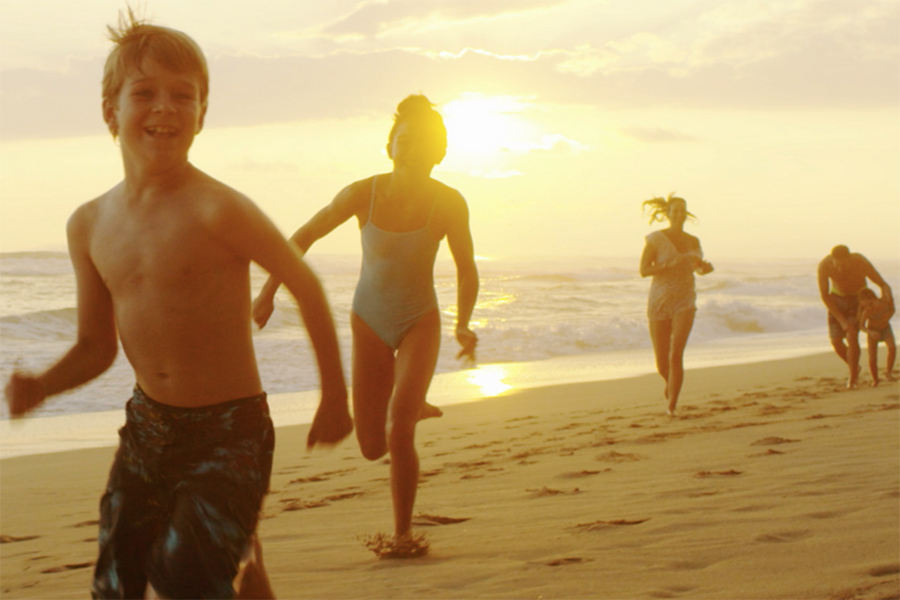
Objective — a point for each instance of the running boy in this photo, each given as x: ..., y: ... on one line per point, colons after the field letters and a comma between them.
x: 875, y: 319
x: 163, y: 259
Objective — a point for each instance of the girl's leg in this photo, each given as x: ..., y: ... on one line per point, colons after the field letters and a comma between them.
x: 373, y: 381
x: 682, y: 323
x: 661, y: 335
x: 415, y: 363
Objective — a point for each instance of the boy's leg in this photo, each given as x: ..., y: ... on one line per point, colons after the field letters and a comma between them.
x: 130, y: 520
x: 221, y: 469
x: 253, y: 579
x: 891, y: 344
x: 872, y: 347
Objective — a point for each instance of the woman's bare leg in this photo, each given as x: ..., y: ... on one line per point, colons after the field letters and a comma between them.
x: 682, y: 323
x: 373, y: 382
x: 414, y: 368
x: 661, y: 336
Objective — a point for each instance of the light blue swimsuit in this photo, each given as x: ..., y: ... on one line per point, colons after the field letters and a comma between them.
x: 396, y: 279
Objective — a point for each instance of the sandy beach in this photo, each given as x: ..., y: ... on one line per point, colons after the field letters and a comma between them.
x: 775, y: 482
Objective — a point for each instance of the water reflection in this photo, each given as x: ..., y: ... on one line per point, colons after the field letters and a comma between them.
x: 489, y: 379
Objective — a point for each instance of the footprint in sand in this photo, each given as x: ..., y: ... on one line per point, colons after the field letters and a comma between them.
x: 782, y: 537
x: 598, y: 525
x: 702, y: 474
x: 9, y: 539
x: 772, y: 441
x: 424, y: 520
x: 91, y: 523
x: 322, y: 476
x: 885, y: 570
x: 580, y: 474
x: 292, y: 504
x: 545, y: 491
x: 769, y: 452
x: 566, y: 560
x: 619, y: 457
x: 68, y: 567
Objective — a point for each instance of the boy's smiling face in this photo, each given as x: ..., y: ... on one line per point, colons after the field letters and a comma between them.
x: 157, y: 113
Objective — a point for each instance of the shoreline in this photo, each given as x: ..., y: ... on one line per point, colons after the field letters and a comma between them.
x: 775, y: 482
x: 74, y: 431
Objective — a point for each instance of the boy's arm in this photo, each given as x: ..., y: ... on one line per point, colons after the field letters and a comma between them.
x: 459, y: 239
x: 321, y: 224
x: 96, y: 345
x: 244, y: 228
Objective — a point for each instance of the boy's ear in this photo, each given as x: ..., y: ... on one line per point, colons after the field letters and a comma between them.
x: 109, y: 117
x: 202, y: 118
x: 389, y: 153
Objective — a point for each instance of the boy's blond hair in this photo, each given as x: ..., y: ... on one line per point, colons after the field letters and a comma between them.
x: 137, y: 41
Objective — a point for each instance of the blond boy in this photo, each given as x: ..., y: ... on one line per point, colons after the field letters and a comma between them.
x: 875, y: 319
x: 162, y: 259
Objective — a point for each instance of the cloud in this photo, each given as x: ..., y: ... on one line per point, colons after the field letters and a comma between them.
x: 739, y: 55
x: 650, y: 134
x: 387, y: 17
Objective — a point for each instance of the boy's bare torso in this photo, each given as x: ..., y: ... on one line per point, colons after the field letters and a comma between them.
x: 181, y: 298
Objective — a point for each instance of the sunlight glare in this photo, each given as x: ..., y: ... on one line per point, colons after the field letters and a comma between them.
x: 489, y: 379
x: 484, y: 126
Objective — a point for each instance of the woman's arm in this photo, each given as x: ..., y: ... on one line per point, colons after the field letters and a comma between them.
x: 341, y: 209
x: 459, y: 238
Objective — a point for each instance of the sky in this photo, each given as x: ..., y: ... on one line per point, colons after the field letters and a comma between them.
x: 778, y: 121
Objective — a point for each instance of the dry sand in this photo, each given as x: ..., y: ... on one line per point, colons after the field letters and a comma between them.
x: 775, y: 482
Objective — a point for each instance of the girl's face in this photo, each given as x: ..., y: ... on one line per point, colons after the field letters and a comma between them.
x: 414, y: 149
x: 677, y: 212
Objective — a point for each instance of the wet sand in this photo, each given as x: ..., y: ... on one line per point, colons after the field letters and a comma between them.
x: 774, y: 482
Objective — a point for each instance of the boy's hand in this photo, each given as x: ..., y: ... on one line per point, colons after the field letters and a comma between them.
x: 469, y: 341
x: 261, y: 310
x: 24, y: 393
x: 331, y: 424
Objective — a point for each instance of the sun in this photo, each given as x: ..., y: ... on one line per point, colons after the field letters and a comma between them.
x: 480, y: 126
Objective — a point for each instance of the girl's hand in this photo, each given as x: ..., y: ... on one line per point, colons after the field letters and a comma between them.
x: 468, y: 340
x: 261, y: 310
x: 704, y: 268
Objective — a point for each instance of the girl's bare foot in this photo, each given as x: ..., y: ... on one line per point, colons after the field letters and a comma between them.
x: 430, y: 411
x: 406, y: 546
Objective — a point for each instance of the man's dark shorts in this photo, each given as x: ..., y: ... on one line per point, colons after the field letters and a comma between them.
x: 849, y: 307
x: 183, y: 498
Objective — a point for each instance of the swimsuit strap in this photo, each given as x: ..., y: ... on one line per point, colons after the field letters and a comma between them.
x: 372, y: 198
x: 372, y: 206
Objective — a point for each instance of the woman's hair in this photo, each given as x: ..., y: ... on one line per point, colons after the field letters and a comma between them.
x: 658, y: 207
x: 418, y: 108
x: 135, y: 41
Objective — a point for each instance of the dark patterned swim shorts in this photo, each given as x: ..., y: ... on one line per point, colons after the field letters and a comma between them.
x: 183, y: 498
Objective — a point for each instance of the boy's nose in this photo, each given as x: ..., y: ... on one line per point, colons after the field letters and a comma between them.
x: 163, y: 103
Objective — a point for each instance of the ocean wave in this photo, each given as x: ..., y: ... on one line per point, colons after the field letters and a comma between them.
x: 45, y: 325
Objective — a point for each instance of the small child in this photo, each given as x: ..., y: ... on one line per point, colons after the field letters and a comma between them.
x: 874, y: 318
